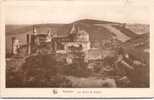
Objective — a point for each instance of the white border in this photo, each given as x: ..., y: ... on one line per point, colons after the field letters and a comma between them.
x: 48, y: 92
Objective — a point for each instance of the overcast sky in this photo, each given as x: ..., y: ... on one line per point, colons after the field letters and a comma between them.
x: 71, y: 11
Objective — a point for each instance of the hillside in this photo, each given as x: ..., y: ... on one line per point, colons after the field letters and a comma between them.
x: 98, y: 30
x: 96, y: 27
x: 139, y: 28
x: 92, y: 21
x: 138, y: 47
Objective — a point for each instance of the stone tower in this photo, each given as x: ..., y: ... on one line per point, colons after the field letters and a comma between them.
x: 15, y: 45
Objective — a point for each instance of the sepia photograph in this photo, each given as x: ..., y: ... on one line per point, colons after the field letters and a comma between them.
x: 80, y: 46
x: 76, y: 49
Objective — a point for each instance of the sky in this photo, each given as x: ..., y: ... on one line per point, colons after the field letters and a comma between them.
x: 66, y: 12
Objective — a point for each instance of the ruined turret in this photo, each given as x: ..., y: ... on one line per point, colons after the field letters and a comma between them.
x: 15, y: 45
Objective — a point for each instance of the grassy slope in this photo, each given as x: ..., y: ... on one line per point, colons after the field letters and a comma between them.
x: 138, y: 51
